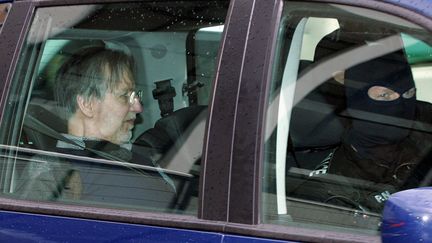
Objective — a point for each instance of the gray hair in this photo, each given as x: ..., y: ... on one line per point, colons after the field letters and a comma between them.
x: 90, y: 73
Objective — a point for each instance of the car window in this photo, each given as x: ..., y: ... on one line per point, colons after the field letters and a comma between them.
x: 108, y: 105
x: 349, y: 116
x: 4, y: 9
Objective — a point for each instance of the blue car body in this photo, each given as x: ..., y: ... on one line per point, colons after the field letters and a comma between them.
x: 22, y: 227
x: 407, y: 216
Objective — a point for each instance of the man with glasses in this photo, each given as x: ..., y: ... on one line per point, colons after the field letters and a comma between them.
x: 95, y: 89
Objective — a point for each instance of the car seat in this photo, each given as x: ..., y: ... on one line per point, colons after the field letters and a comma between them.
x: 42, y: 115
x: 316, y: 122
x: 169, y: 129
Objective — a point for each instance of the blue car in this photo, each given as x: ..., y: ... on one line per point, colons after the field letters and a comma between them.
x: 215, y: 121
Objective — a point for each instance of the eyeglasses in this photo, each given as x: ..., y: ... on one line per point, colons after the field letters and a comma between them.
x: 129, y: 98
x: 136, y: 94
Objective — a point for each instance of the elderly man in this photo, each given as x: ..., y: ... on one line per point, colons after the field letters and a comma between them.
x: 95, y: 88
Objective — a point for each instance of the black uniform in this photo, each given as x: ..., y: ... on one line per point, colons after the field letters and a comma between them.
x: 382, y: 149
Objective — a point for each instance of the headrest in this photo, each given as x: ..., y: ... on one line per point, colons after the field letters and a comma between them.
x: 169, y: 128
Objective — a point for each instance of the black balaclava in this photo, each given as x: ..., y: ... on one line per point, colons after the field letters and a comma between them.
x: 369, y: 127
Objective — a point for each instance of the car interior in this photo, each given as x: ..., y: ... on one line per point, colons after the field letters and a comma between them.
x: 318, y: 117
x: 175, y: 49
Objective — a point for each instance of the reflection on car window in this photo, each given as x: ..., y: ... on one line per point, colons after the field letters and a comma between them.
x: 111, y: 105
x: 4, y: 9
x: 349, y: 117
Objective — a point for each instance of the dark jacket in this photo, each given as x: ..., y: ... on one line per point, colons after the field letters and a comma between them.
x: 344, y: 179
x: 100, y: 173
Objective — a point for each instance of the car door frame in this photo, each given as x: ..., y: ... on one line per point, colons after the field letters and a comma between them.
x: 217, y: 152
x: 230, y: 185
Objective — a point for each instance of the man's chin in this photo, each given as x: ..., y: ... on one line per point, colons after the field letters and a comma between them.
x: 123, y: 138
x: 126, y: 138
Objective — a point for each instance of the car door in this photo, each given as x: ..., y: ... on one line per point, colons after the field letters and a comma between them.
x: 233, y: 163
x: 324, y: 76
x: 175, y: 46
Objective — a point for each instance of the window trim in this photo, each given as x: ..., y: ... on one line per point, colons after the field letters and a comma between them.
x: 245, y: 191
x: 249, y: 115
x: 219, y: 158
x: 11, y: 41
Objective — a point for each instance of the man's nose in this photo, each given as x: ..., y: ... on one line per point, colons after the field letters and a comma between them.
x: 136, y: 106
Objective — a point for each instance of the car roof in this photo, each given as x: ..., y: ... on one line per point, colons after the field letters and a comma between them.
x: 420, y: 6
x: 423, y: 7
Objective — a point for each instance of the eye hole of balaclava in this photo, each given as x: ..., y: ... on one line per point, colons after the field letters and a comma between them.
x: 381, y: 99
x: 381, y: 93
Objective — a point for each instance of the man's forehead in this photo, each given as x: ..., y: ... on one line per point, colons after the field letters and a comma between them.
x: 126, y: 82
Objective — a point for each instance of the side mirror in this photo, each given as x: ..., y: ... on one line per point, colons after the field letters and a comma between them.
x: 407, y: 216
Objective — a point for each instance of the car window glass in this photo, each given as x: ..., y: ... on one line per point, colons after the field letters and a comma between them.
x: 4, y: 9
x: 349, y: 116
x: 108, y: 105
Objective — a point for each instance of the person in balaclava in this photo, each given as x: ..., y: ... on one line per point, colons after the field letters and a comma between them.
x: 379, y: 150
x: 381, y: 101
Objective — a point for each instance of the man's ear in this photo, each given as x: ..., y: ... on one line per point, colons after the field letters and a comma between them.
x: 86, y: 106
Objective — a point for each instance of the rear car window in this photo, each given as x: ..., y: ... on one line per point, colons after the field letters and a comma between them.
x: 108, y: 105
x: 349, y: 116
